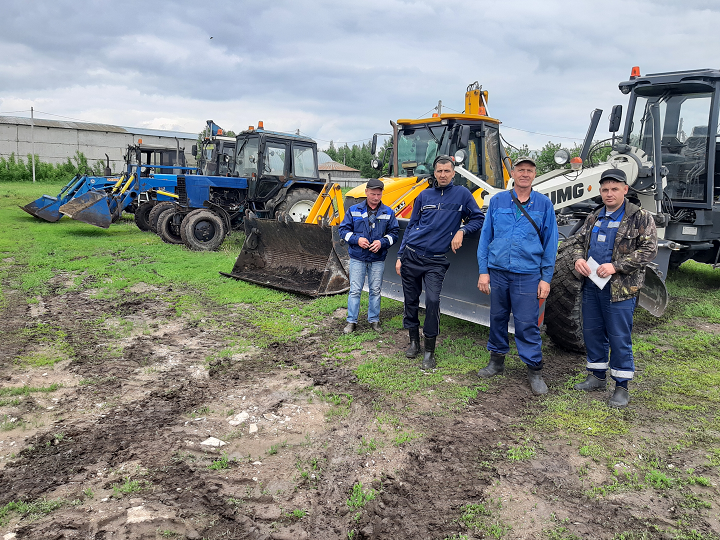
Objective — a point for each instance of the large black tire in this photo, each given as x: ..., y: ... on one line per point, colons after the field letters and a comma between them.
x: 142, y: 216
x: 203, y: 230
x: 168, y: 229
x: 297, y: 204
x: 563, y: 309
x: 155, y: 212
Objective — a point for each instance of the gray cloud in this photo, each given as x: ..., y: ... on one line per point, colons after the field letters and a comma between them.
x: 341, y: 70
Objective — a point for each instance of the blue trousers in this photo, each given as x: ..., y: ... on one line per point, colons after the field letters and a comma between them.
x: 416, y: 271
x: 517, y: 293
x: 608, y: 326
x: 358, y: 271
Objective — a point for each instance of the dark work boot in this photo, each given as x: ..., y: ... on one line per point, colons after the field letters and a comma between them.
x: 414, y: 347
x: 429, y: 358
x: 591, y: 383
x: 495, y: 367
x: 620, y: 398
x: 537, y: 385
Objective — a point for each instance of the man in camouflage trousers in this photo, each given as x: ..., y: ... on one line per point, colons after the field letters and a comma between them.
x: 621, y: 239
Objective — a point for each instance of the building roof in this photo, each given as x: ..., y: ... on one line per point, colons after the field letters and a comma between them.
x: 88, y: 126
x: 335, y: 166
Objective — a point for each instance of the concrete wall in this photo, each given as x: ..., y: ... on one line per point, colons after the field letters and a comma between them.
x: 56, y: 145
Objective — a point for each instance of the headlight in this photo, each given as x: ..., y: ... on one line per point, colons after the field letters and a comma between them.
x: 460, y: 156
x: 562, y: 156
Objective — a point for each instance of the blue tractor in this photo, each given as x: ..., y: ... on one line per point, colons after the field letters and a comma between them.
x: 274, y: 175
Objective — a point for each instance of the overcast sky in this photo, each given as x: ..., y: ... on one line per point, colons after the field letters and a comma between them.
x: 340, y: 70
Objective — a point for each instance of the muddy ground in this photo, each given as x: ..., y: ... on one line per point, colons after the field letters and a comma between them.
x: 119, y: 445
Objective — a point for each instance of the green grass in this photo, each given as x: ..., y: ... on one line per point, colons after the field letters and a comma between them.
x: 129, y: 486
x: 27, y: 390
x: 360, y: 496
x: 482, y: 517
x: 30, y: 510
x: 521, y: 452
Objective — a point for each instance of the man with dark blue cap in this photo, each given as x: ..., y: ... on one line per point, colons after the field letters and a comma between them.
x: 369, y: 228
x: 615, y: 243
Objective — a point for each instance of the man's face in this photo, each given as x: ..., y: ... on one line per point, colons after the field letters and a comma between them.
x: 613, y: 194
x: 374, y: 196
x: 444, y: 173
x: 523, y: 174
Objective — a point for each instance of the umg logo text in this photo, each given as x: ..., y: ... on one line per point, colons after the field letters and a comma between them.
x: 559, y: 196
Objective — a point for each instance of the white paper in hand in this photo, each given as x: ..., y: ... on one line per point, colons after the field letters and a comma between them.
x: 599, y: 281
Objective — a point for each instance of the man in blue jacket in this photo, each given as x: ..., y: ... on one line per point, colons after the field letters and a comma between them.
x: 435, y: 227
x: 369, y: 228
x: 516, y: 258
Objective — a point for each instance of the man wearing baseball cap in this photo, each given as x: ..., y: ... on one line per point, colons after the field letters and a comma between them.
x: 369, y: 228
x: 616, y: 242
x: 516, y: 259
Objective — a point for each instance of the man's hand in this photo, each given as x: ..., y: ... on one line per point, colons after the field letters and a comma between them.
x: 543, y: 289
x: 605, y: 270
x: 582, y: 267
x: 363, y: 242
x: 398, y: 264
x: 375, y: 246
x: 457, y: 241
x: 484, y: 283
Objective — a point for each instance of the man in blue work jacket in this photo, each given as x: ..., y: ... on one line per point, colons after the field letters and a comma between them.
x: 435, y: 227
x: 369, y: 228
x: 516, y: 259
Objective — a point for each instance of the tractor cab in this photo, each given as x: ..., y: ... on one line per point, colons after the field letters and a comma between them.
x: 163, y: 158
x: 274, y: 163
x: 688, y: 105
x: 215, y: 157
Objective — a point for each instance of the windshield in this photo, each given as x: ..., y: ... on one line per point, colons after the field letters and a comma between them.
x: 247, y: 157
x: 420, y: 145
x: 684, y: 121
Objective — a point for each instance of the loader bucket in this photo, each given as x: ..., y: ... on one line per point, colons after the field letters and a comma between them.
x: 92, y: 207
x: 296, y: 257
x: 46, y: 207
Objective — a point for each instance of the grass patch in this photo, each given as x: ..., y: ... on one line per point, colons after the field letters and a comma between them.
x: 32, y: 510
x: 129, y: 486
x: 223, y: 462
x: 521, y: 452
x: 27, y: 390
x: 359, y: 496
x: 481, y: 517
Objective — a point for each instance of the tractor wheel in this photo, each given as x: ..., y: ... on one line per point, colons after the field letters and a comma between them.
x: 297, y: 204
x: 155, y: 212
x: 203, y: 230
x: 168, y: 227
x: 142, y: 216
x: 563, y: 310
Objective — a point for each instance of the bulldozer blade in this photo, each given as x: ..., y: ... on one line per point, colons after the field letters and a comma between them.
x: 92, y: 208
x: 653, y: 295
x: 296, y: 257
x: 46, y: 207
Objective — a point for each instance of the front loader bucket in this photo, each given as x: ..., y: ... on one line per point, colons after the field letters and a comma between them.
x: 46, y: 207
x: 296, y: 257
x: 92, y: 207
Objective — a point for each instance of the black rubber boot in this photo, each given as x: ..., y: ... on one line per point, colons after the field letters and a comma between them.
x: 591, y: 383
x: 620, y: 398
x: 414, y: 347
x: 429, y: 358
x: 495, y: 367
x: 537, y: 385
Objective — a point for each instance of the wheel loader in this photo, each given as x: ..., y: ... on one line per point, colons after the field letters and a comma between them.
x: 667, y: 150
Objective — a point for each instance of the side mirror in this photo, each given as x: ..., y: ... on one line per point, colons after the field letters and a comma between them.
x: 463, y: 137
x: 373, y: 147
x: 193, y: 149
x: 615, y: 118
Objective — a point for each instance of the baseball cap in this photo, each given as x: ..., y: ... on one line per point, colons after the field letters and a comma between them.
x: 374, y: 183
x: 519, y: 160
x: 616, y: 175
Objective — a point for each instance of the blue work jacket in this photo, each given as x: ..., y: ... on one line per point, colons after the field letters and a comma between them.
x: 356, y: 225
x: 437, y: 215
x: 509, y: 242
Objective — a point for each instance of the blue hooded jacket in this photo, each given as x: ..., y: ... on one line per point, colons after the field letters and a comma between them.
x: 437, y: 215
x: 509, y: 242
x: 356, y: 225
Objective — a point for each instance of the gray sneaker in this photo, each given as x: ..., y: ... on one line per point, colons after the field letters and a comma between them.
x: 376, y: 326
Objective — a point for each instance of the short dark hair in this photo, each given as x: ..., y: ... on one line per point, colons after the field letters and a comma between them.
x: 444, y: 159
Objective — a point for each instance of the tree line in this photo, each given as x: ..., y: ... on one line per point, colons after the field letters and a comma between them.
x: 15, y: 169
